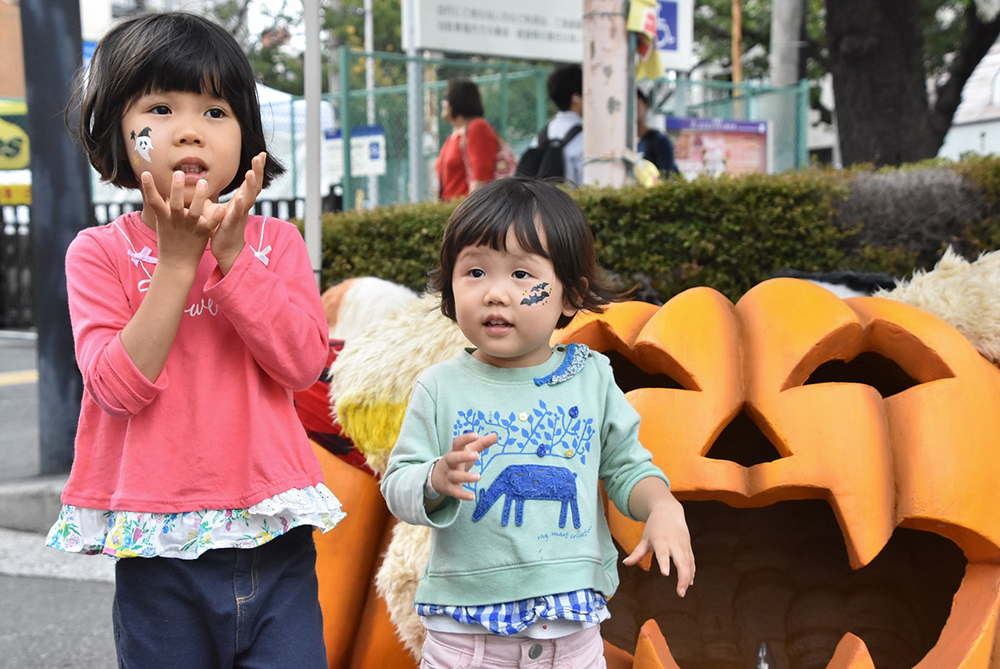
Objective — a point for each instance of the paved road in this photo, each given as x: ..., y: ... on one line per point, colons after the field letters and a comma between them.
x: 55, y: 609
x: 18, y: 407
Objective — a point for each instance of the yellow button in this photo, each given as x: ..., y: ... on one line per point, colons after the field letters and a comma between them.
x: 523, y: 417
x: 569, y: 452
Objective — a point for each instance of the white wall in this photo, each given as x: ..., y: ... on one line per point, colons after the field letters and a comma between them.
x: 982, y: 138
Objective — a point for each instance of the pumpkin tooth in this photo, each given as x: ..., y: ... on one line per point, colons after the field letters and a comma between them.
x: 852, y: 653
x: 866, y: 526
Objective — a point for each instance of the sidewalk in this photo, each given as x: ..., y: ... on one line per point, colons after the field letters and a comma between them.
x: 56, y: 606
x: 31, y: 505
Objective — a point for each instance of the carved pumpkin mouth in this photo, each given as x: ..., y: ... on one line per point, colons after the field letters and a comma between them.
x: 779, y: 576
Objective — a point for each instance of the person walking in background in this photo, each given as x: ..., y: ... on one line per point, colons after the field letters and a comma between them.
x: 541, y: 426
x: 557, y: 151
x: 654, y: 146
x: 468, y: 156
x: 193, y: 323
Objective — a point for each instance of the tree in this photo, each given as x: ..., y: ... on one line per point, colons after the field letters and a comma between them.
x: 896, y: 79
x: 898, y: 66
x: 279, y: 64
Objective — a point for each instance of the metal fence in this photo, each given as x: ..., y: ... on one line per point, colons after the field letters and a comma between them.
x: 514, y: 99
x: 516, y: 105
x: 15, y: 268
x: 16, y: 300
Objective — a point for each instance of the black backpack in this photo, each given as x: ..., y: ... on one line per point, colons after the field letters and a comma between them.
x: 546, y: 159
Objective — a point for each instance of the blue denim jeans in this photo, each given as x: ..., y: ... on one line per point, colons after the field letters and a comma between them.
x: 255, y: 608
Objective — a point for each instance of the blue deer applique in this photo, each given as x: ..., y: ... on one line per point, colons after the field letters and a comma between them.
x: 521, y: 482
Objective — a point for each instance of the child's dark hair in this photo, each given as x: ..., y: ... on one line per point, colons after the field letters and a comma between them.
x: 175, y: 51
x: 563, y: 84
x: 526, y: 205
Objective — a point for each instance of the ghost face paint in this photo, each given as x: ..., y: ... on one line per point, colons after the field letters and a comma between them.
x: 507, y: 303
x: 194, y: 133
x: 143, y: 145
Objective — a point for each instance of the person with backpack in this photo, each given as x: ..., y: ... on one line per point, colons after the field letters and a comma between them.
x: 473, y: 153
x: 557, y: 151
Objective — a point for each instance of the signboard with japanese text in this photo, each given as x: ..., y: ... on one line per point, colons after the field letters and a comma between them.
x: 716, y: 146
x: 523, y: 29
x: 675, y: 34
x: 367, y: 153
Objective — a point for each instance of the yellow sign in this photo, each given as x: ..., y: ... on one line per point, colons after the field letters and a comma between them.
x: 15, y: 194
x: 14, y: 146
x: 15, y: 149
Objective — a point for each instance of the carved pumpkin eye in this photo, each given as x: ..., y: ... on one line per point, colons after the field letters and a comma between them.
x: 836, y: 460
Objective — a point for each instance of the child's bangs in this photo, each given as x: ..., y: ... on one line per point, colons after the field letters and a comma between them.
x: 196, y: 71
x: 491, y: 229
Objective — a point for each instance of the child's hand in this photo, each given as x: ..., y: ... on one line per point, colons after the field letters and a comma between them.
x: 666, y: 533
x: 228, y: 238
x: 452, y: 470
x: 181, y: 233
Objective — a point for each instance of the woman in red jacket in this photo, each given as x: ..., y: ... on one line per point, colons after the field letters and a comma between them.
x: 468, y: 157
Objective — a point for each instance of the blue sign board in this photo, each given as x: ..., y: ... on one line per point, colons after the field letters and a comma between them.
x: 666, y: 26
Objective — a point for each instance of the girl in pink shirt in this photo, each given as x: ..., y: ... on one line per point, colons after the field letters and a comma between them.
x: 193, y: 323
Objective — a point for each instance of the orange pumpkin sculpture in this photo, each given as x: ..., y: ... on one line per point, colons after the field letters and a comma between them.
x: 839, y: 468
x: 806, y: 432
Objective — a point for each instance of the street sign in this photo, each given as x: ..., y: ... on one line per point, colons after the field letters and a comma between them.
x: 675, y: 34
x: 367, y: 153
x: 15, y: 149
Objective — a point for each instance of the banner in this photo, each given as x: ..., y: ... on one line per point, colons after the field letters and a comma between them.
x: 716, y: 146
x: 642, y: 20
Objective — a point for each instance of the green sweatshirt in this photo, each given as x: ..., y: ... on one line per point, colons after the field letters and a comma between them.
x: 537, y: 526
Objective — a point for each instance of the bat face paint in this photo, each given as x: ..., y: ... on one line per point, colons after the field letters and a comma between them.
x: 536, y: 295
x: 143, y: 145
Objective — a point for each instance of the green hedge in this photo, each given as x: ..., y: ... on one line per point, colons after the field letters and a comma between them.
x: 729, y: 233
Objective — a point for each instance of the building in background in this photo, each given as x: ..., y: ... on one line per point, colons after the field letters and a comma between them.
x: 976, y: 125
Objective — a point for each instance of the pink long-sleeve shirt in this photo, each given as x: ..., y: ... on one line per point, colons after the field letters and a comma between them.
x: 217, y: 429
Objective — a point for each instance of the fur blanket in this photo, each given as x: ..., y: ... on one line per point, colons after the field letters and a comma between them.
x: 372, y: 381
x: 962, y: 293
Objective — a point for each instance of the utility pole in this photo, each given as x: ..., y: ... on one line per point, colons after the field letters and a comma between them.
x: 370, y: 85
x: 414, y: 107
x: 333, y: 58
x: 313, y: 89
x: 787, y: 18
x: 605, y: 92
x: 737, y: 42
x: 60, y: 207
